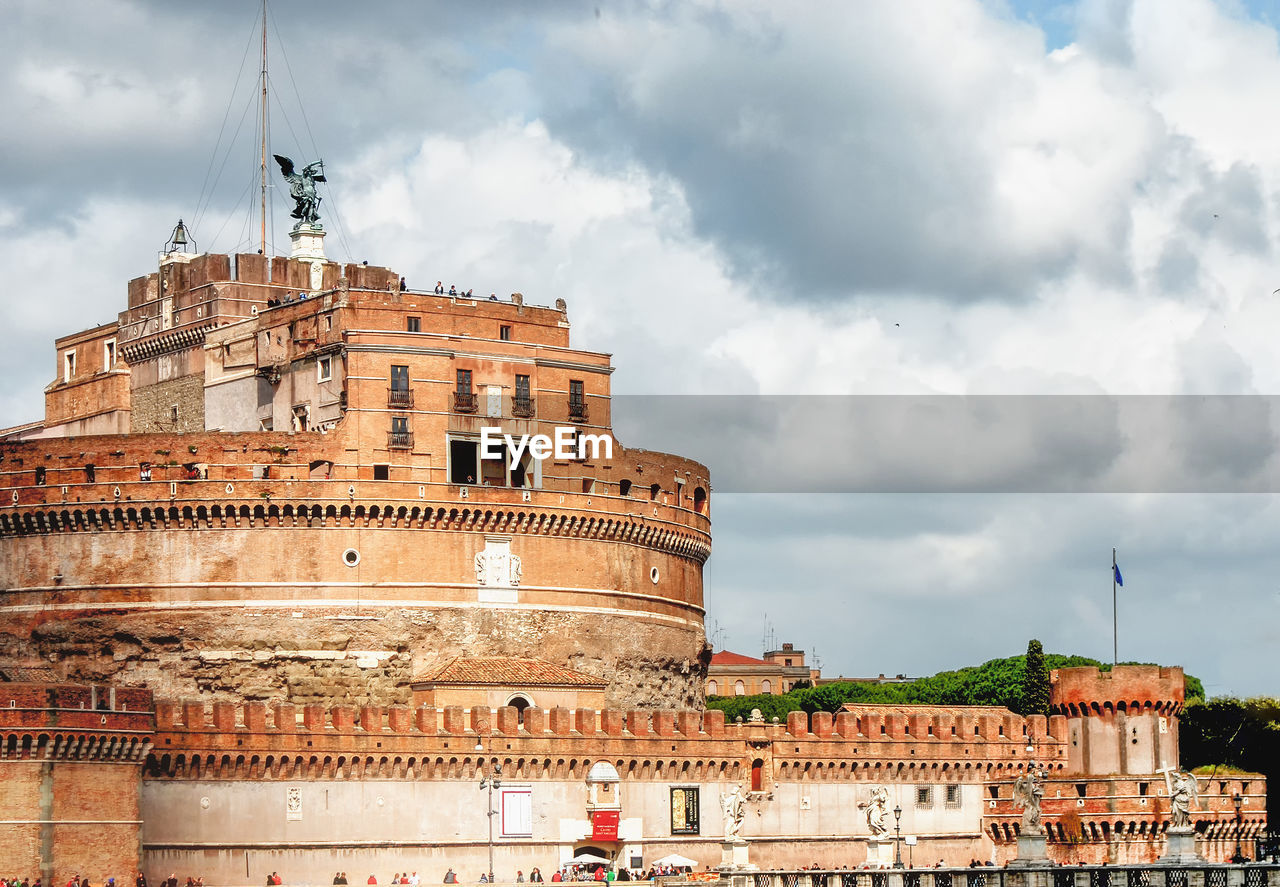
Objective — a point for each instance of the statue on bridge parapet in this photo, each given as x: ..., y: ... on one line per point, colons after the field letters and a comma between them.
x: 1028, y: 790
x: 735, y: 809
x: 877, y: 807
x: 1184, y: 795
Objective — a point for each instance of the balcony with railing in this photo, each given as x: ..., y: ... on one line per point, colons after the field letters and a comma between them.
x: 465, y: 402
x: 400, y: 398
x: 577, y: 410
x: 522, y: 407
x: 400, y: 440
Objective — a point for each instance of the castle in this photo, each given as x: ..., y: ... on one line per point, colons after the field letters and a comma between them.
x: 265, y: 607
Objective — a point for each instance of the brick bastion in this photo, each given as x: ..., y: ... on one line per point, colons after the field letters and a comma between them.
x: 260, y: 581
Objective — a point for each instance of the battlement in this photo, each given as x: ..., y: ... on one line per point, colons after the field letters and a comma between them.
x: 1084, y: 692
x: 75, y: 722
x: 938, y: 726
x: 452, y: 740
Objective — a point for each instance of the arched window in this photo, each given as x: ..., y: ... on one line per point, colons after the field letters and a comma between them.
x: 700, y: 500
x: 739, y: 689
x: 712, y: 688
x: 757, y: 775
x: 520, y: 703
x: 624, y: 487
x: 766, y: 686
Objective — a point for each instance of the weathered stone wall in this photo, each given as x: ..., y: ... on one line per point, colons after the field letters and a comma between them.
x: 339, y: 655
x: 152, y: 405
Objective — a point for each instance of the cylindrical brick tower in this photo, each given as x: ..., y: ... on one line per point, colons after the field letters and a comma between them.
x: 301, y: 506
x: 1123, y: 721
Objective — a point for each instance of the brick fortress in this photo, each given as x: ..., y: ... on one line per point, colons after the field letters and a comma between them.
x: 258, y: 496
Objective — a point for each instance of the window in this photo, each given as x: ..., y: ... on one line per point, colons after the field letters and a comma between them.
x: 39, y: 475
x: 1144, y: 788
x: 786, y: 662
x: 739, y: 688
x: 684, y: 811
x: 399, y: 439
x: 577, y: 400
x: 324, y: 369
x: 68, y: 366
x: 517, y: 813
x: 328, y: 322
x: 504, y: 333
x: 757, y: 775
x: 1081, y: 788
x: 382, y: 472
x: 90, y: 475
x: 464, y: 399
x: 993, y: 791
x: 521, y: 401
x: 766, y: 686
x: 400, y: 395
x: 924, y: 796
x: 173, y: 414
x: 953, y: 796
x: 413, y: 324
x: 712, y: 688
x: 108, y: 354
x: 464, y: 456
x: 624, y: 487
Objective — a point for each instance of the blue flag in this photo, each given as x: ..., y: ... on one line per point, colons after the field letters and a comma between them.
x: 1115, y: 568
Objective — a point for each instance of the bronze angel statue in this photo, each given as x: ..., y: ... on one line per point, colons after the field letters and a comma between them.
x: 1028, y: 789
x: 302, y: 188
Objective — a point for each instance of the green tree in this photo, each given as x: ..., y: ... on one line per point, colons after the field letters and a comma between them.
x: 1035, y: 682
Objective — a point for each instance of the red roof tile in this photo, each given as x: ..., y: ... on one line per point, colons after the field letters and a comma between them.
x: 508, y: 671
x: 724, y: 657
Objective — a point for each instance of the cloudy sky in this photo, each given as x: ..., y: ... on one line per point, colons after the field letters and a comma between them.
x: 901, y: 198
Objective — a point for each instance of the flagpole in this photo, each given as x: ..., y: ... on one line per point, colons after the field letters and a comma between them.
x: 1115, y: 621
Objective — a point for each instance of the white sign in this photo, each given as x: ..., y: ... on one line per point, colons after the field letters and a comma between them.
x: 567, y: 443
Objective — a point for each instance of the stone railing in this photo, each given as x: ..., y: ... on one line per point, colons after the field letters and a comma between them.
x: 1262, y: 874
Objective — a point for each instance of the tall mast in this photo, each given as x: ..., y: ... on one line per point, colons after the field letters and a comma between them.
x: 263, y: 129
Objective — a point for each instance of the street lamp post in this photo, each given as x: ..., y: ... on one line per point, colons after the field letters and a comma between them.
x: 490, y: 782
x: 1238, y: 857
x: 897, y: 836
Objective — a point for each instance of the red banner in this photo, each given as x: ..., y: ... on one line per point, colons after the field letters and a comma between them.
x: 604, y: 825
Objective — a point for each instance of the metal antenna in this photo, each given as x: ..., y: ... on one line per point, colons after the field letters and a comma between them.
x: 263, y: 126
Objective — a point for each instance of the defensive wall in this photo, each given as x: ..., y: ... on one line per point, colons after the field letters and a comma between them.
x: 309, y: 789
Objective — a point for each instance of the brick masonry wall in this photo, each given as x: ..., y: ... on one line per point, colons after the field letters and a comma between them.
x: 153, y: 405
x: 20, y: 800
x: 97, y: 829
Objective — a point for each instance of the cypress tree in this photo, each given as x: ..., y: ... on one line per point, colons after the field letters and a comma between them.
x: 1035, y: 681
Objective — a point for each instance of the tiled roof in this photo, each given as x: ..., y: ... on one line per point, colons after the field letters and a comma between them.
x: 724, y: 657
x: 508, y: 671
x: 862, y: 708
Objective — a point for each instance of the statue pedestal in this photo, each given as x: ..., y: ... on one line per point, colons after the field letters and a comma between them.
x: 1031, y: 852
x: 308, y: 245
x: 734, y: 856
x: 880, y: 853
x: 1181, y: 849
